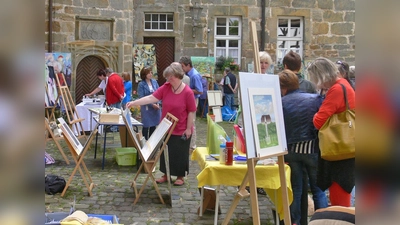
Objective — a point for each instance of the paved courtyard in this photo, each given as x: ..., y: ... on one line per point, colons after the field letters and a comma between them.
x: 113, y: 193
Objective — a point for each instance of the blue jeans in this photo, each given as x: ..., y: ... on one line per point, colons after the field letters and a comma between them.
x: 229, y: 100
x: 297, y: 163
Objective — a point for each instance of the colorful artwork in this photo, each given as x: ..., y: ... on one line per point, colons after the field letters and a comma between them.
x: 205, y: 65
x: 61, y: 62
x: 144, y: 55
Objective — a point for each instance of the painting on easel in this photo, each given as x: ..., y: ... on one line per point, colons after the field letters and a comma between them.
x: 263, y: 123
x: 266, y: 125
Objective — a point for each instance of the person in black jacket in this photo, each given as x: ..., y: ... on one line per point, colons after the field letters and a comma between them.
x: 230, y: 87
x: 292, y: 61
x: 301, y: 137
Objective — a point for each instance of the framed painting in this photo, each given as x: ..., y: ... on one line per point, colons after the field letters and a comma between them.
x: 266, y: 126
x: 263, y: 125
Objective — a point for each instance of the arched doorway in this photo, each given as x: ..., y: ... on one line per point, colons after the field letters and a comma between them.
x: 86, y: 78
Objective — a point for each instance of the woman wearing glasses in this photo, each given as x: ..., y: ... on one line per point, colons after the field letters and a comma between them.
x: 178, y: 99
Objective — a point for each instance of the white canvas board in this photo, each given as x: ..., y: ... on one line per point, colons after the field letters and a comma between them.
x: 214, y: 98
x: 260, y: 81
x: 69, y: 134
x: 217, y: 113
x: 155, y: 139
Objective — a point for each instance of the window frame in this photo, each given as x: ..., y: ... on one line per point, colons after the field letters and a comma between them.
x: 158, y: 21
x: 280, y: 52
x: 228, y: 38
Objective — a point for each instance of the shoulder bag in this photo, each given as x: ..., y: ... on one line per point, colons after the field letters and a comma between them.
x: 337, y: 135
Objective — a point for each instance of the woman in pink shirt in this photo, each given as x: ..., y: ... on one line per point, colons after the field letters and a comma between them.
x: 338, y: 176
x: 177, y: 99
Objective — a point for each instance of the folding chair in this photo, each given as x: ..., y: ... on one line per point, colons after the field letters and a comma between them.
x: 151, y: 151
x: 78, y: 152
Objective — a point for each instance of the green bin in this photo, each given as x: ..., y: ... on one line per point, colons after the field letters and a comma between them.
x: 126, y: 156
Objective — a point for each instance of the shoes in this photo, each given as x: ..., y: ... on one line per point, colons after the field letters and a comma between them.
x: 179, y: 182
x: 162, y: 179
x: 260, y: 191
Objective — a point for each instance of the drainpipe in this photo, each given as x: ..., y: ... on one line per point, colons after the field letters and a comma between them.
x: 50, y: 47
x: 262, y: 47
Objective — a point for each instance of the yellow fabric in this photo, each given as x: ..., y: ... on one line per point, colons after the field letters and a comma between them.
x: 267, y: 176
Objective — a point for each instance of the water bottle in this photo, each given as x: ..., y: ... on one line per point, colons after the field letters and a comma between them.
x: 229, y: 153
x: 222, y: 150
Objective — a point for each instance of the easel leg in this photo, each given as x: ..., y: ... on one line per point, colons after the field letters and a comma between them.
x: 216, y: 205
x: 251, y: 165
x: 285, y: 198
x: 241, y: 193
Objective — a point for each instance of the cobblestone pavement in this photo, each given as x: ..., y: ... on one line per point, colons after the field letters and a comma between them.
x: 113, y: 193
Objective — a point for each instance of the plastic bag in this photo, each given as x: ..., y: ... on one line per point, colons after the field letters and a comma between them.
x: 228, y: 114
x: 213, y: 132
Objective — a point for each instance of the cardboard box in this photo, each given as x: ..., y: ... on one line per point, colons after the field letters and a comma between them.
x: 109, y: 118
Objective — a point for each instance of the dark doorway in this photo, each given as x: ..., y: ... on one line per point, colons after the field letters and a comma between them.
x: 165, y: 48
x: 86, y: 78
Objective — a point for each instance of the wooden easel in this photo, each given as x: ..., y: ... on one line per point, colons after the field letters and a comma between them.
x: 55, y: 139
x: 250, y: 176
x: 72, y: 115
x: 149, y: 164
x: 78, y: 154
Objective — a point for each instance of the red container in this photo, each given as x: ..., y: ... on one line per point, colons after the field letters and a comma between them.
x: 229, y: 153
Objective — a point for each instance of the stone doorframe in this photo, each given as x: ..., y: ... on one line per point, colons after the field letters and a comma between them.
x: 111, y: 52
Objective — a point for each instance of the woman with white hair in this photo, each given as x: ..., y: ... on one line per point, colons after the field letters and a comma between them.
x: 265, y: 61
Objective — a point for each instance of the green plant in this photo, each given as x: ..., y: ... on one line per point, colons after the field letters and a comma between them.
x: 222, y: 62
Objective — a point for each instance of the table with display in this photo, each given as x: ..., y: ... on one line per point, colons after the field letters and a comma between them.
x: 83, y: 110
x: 122, y: 130
x: 215, y: 174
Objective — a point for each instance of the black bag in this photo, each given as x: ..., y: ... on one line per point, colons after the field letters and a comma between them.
x: 53, y: 184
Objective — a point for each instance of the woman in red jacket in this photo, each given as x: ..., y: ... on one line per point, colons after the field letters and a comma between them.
x: 338, y: 176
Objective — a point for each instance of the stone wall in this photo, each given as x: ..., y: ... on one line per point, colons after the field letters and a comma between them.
x: 92, y: 22
x: 329, y: 25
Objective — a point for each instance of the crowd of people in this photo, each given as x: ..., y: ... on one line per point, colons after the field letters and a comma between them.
x: 306, y: 105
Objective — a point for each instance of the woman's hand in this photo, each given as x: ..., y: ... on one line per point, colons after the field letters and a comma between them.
x: 156, y: 106
x: 188, y: 132
x: 130, y: 104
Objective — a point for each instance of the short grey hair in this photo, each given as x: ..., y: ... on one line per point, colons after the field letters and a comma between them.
x: 175, y: 69
x: 323, y: 72
x: 108, y: 70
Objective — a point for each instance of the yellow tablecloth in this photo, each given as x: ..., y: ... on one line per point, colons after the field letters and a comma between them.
x: 267, y: 176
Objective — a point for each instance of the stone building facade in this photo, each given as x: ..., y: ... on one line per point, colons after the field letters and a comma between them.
x: 311, y: 27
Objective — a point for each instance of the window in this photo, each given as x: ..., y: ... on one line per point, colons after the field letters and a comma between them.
x: 290, y: 36
x: 159, y: 21
x: 228, y: 38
